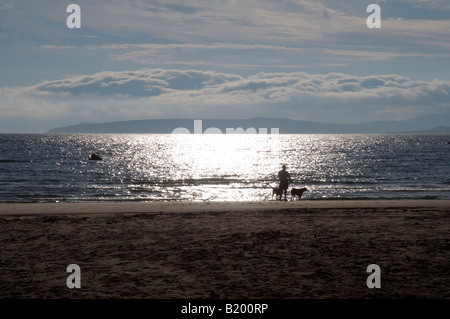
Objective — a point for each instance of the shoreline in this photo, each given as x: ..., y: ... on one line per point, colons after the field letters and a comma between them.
x: 81, y: 208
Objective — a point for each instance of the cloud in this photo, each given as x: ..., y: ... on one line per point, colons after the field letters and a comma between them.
x: 228, y: 36
x: 236, y: 57
x: 142, y: 83
x: 284, y: 23
x: 227, y: 42
x: 146, y: 93
x: 22, y: 102
x: 182, y: 86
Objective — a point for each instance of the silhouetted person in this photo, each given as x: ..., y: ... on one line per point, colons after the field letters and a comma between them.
x: 285, y: 178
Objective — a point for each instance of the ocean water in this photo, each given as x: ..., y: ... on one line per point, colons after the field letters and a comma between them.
x: 148, y: 167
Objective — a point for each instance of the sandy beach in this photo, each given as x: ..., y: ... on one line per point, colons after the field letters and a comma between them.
x: 226, y: 250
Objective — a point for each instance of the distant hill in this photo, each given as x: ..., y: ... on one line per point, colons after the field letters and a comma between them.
x: 438, y: 124
x: 437, y: 130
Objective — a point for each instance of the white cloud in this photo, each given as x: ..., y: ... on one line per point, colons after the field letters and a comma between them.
x: 22, y: 102
x: 145, y: 82
x: 281, y: 23
x: 227, y: 42
x: 333, y: 97
x: 227, y: 36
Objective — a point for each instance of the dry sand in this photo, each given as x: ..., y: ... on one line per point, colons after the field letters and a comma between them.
x: 269, y: 250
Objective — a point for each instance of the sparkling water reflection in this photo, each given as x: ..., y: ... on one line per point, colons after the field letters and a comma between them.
x: 221, y: 167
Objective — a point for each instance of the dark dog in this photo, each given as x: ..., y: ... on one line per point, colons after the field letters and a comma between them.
x: 298, y: 192
x: 277, y: 192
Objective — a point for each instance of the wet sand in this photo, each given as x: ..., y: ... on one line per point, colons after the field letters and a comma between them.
x: 226, y: 250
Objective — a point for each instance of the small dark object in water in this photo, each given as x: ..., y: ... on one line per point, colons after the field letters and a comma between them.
x: 95, y: 157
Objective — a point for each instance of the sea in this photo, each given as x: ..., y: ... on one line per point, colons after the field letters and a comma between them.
x: 213, y: 167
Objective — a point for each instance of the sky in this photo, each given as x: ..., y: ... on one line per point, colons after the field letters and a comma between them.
x: 298, y: 59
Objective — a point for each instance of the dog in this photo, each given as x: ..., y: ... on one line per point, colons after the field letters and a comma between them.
x: 278, y: 192
x: 298, y: 192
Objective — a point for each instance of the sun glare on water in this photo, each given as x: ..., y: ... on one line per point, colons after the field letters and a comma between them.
x: 239, y: 160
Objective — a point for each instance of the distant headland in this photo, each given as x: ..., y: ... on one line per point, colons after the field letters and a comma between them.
x: 430, y: 124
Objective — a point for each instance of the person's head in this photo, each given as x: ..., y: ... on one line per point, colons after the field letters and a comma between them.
x: 284, y: 167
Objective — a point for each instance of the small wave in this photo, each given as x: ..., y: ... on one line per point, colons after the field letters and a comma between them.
x: 204, y: 181
x: 429, y: 197
x: 12, y: 161
x: 328, y: 182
